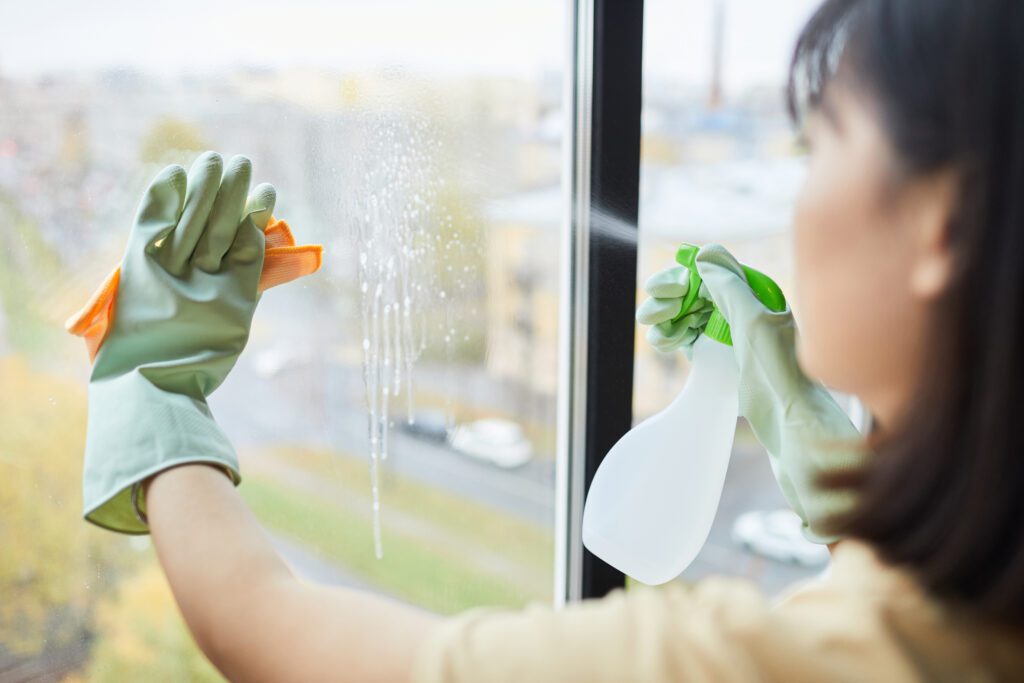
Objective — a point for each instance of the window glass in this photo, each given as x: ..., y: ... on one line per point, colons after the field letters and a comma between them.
x: 421, y: 144
x: 720, y: 163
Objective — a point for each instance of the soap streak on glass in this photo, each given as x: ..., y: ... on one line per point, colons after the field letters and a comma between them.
x: 392, y: 225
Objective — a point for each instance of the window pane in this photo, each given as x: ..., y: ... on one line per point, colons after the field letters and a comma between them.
x: 720, y: 164
x: 421, y: 144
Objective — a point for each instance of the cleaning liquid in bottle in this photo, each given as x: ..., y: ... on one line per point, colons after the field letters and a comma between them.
x: 654, y: 497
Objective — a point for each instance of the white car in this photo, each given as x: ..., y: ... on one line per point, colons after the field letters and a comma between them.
x: 776, y: 534
x: 268, y: 363
x: 500, y: 442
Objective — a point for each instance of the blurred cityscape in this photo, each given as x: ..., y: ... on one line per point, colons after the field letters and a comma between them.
x: 475, y: 162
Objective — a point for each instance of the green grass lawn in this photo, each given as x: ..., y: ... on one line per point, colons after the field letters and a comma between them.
x: 445, y: 563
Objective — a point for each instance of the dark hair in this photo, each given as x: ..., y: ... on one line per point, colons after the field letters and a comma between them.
x: 943, y: 493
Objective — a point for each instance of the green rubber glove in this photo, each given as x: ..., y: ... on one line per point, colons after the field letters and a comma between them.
x: 188, y: 291
x: 667, y: 289
x: 798, y: 422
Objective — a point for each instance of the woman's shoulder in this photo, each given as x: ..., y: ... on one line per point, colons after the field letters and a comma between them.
x: 864, y: 607
x: 862, y: 620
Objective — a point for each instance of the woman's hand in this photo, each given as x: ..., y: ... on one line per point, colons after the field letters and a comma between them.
x: 189, y: 278
x: 798, y: 422
x: 804, y: 431
x: 186, y: 297
x: 668, y: 290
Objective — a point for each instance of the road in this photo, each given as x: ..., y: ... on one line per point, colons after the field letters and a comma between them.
x: 295, y: 410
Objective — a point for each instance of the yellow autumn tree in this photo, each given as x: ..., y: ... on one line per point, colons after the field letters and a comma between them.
x: 58, y: 565
x: 142, y: 637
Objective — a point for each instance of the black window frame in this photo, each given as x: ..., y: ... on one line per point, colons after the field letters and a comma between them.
x: 604, y: 100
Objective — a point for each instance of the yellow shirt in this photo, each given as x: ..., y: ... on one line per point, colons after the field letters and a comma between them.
x: 863, y: 621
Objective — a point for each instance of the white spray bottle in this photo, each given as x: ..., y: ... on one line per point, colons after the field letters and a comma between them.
x: 655, y: 494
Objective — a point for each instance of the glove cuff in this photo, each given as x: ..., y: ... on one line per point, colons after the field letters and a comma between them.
x: 124, y: 447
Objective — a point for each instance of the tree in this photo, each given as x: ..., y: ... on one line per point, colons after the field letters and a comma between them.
x: 60, y: 566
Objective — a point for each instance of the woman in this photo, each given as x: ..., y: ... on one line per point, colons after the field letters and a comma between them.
x: 908, y: 237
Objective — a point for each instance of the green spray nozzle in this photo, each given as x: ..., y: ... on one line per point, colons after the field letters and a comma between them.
x: 717, y: 328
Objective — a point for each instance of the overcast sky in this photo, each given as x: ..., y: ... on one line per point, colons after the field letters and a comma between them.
x: 508, y: 37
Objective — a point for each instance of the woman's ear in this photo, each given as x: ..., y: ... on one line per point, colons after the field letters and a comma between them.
x: 933, y: 203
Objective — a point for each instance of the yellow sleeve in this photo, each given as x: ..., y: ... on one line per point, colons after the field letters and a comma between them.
x: 864, y: 622
x: 722, y: 630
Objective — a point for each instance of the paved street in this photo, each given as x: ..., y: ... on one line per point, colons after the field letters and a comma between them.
x: 256, y: 412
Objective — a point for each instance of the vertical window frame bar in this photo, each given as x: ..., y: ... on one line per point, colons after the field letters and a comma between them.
x: 602, y: 163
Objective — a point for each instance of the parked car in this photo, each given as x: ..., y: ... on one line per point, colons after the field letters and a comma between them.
x: 501, y: 442
x: 269, y: 363
x: 429, y: 425
x: 776, y: 534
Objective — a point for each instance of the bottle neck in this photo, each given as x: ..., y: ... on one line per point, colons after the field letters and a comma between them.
x: 713, y: 370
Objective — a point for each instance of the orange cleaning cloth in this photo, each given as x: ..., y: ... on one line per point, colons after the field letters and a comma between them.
x: 283, y: 262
